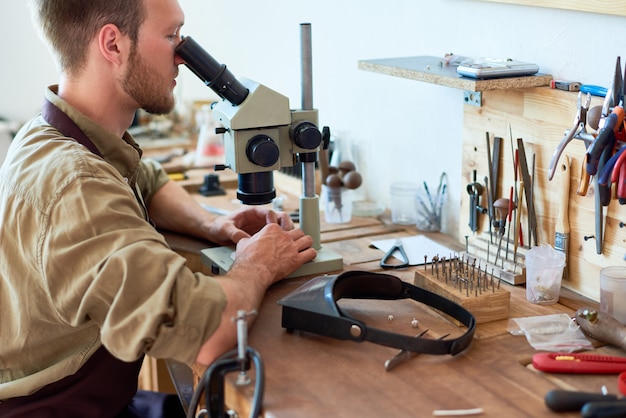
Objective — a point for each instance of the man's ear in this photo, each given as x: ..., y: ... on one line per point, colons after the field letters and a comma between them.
x: 112, y: 44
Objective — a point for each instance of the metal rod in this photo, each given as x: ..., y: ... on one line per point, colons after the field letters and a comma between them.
x: 306, y: 66
x: 308, y: 179
x: 306, y: 58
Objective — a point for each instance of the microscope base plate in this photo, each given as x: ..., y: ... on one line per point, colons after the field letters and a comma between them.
x: 219, y: 259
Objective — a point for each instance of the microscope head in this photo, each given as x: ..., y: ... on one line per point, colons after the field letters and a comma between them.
x: 261, y: 132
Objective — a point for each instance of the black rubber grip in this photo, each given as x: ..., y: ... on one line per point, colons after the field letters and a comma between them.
x: 567, y: 400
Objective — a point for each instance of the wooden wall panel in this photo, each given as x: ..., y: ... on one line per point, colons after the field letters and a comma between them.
x: 540, y: 116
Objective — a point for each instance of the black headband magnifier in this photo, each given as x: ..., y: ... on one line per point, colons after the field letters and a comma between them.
x: 313, y: 308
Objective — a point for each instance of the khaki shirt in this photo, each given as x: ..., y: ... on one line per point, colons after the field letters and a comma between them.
x: 80, y: 266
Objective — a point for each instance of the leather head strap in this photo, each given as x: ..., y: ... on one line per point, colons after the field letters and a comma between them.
x: 313, y: 308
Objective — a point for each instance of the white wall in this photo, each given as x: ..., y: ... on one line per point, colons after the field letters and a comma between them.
x: 406, y: 129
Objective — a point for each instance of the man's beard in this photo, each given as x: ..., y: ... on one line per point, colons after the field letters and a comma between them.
x: 145, y: 87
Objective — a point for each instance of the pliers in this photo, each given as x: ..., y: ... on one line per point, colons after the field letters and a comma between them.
x: 600, y: 152
x: 607, y: 137
x: 611, y: 123
x: 580, y: 127
x: 615, y: 172
x: 600, y: 157
x: 397, y: 246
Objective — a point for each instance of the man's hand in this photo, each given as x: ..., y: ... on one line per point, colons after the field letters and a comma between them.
x: 266, y: 257
x: 244, y: 223
x: 173, y: 209
x: 274, y: 253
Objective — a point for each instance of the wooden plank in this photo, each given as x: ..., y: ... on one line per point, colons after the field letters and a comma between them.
x: 540, y: 116
x: 434, y: 70
x: 611, y: 7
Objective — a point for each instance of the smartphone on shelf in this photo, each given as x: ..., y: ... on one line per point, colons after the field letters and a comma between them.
x: 494, y: 68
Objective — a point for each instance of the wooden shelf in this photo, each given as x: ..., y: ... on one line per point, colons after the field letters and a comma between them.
x: 435, y: 70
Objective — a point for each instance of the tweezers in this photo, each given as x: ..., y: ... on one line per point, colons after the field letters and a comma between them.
x: 397, y: 246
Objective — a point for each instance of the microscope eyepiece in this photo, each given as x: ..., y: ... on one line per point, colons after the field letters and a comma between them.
x: 211, y: 72
x: 256, y: 188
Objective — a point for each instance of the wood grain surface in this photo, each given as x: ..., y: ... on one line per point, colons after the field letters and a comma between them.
x: 540, y: 116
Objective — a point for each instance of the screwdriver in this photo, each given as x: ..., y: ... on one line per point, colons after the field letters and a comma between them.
x: 501, y: 206
x: 568, y: 400
x: 604, y: 409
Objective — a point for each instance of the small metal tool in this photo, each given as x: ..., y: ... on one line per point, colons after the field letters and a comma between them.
x: 212, y: 383
x: 502, y: 207
x: 396, y: 247
x: 475, y: 190
x: 402, y: 355
x: 580, y: 123
x: 405, y: 355
x: 530, y: 207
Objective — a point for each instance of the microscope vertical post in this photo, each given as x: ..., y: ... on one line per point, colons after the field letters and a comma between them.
x: 309, y: 201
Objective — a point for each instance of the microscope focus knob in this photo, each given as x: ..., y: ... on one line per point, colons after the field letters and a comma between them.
x: 263, y: 151
x: 306, y: 135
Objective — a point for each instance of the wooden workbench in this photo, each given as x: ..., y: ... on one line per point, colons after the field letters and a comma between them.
x: 313, y: 376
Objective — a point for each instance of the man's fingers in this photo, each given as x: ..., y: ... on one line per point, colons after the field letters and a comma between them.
x: 237, y: 234
x: 271, y: 217
x: 296, y: 234
x: 281, y: 218
x: 308, y: 254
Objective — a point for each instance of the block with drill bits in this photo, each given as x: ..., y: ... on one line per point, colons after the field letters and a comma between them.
x: 462, y: 279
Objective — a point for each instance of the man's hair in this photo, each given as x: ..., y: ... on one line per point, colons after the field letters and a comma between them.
x: 70, y: 25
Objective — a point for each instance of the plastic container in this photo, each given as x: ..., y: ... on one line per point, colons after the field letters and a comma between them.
x: 429, y: 209
x: 210, y: 144
x: 544, y: 273
x: 402, y: 202
x: 337, y: 203
x: 613, y: 292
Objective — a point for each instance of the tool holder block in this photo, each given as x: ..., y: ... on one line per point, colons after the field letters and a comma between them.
x: 491, y: 303
x: 512, y: 272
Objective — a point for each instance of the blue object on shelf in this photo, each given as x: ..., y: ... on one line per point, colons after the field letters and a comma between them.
x: 594, y: 90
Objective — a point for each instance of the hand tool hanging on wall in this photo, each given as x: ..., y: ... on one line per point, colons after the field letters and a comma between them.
x: 515, y: 159
x: 561, y: 229
x: 495, y: 165
x: 489, y: 211
x: 580, y: 124
x: 493, y: 160
x: 530, y: 208
x: 616, y: 170
x: 512, y: 207
x: 612, y: 170
x: 502, y: 208
x: 599, y: 154
x: 604, y: 141
x: 475, y: 190
x: 599, y: 215
x: 518, y: 217
x: 488, y: 185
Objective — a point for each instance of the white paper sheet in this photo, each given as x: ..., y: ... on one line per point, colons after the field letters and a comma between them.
x: 416, y: 248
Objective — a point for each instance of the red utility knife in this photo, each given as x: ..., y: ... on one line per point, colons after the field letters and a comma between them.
x: 579, y: 363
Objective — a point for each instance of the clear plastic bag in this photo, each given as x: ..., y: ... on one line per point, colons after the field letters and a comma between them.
x: 556, y: 332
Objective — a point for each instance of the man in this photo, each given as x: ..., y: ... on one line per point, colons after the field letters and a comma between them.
x: 87, y: 284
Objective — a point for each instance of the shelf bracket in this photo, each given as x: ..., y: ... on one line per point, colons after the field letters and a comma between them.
x: 474, y: 98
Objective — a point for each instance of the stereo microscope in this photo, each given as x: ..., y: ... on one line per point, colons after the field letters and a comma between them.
x: 262, y: 134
